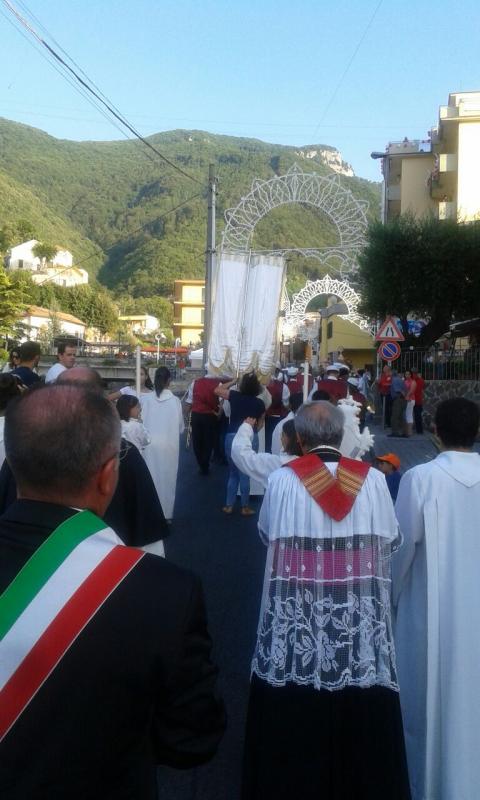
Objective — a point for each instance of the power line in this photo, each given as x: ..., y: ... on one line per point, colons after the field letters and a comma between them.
x: 350, y: 62
x: 117, y: 241
x: 100, y: 97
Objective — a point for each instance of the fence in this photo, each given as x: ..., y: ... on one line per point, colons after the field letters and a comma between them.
x: 442, y: 365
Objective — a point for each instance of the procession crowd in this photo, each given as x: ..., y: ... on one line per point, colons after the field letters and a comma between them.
x: 363, y: 677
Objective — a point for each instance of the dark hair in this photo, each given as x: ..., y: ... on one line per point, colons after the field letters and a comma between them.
x: 290, y: 433
x: 320, y: 394
x: 58, y: 436
x: 148, y: 380
x: 162, y: 377
x: 457, y: 421
x: 124, y: 405
x: 296, y: 400
x: 13, y: 354
x: 250, y: 385
x: 28, y: 351
x: 343, y: 371
x: 62, y: 346
x: 8, y: 389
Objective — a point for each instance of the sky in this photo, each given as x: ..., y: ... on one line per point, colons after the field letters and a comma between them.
x: 353, y: 74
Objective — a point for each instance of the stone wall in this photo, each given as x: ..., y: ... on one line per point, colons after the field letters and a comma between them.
x: 435, y: 391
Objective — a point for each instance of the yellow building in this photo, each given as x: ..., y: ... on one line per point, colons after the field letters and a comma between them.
x: 439, y: 175
x: 340, y: 337
x: 189, y: 310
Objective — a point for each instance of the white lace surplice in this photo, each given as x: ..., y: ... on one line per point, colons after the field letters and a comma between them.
x: 325, y: 619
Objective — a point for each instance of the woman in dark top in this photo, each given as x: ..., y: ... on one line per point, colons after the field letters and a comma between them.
x: 244, y: 403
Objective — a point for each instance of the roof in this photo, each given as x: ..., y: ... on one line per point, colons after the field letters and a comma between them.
x: 38, y: 311
x: 192, y: 281
x: 466, y: 327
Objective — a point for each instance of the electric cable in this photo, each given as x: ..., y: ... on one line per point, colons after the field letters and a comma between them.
x: 110, y: 108
x: 350, y: 62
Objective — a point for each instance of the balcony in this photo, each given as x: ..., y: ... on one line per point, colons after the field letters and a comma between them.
x: 464, y: 109
x: 409, y: 147
x: 447, y: 162
x: 447, y: 210
x: 394, y: 192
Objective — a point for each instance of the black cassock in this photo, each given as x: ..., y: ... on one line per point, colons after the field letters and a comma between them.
x: 135, y: 512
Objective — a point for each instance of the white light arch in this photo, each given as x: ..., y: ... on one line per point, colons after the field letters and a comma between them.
x: 295, y: 312
x: 327, y: 195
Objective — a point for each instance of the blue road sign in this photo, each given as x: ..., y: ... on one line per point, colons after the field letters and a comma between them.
x: 389, y: 351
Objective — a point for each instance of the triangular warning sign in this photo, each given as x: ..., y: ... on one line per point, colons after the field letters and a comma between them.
x: 389, y: 330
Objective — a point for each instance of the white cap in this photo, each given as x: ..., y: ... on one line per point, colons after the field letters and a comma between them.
x: 353, y: 381
x: 332, y: 368
x: 292, y: 371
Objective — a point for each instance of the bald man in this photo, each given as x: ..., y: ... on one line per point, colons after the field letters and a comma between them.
x: 105, y: 666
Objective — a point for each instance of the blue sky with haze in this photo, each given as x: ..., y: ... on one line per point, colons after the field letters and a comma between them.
x: 266, y: 69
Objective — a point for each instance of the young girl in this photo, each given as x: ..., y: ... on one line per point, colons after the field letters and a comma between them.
x: 133, y: 430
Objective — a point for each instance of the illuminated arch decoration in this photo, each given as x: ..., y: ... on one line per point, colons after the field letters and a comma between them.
x: 346, y: 213
x: 295, y: 312
x: 326, y: 194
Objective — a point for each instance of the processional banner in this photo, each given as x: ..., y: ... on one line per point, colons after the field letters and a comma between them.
x: 245, y: 313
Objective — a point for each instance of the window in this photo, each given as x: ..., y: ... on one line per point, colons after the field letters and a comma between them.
x: 202, y: 316
x: 203, y: 296
x: 329, y: 330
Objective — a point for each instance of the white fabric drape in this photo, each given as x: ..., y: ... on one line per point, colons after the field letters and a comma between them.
x: 244, y: 332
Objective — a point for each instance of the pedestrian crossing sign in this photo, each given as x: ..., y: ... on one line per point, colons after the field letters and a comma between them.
x: 389, y: 331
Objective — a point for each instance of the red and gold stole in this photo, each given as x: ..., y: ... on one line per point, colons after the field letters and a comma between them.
x: 334, y: 494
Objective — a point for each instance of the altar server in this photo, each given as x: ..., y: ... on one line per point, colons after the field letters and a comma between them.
x: 437, y: 594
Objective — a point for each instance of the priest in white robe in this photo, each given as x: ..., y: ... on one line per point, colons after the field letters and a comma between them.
x: 324, y: 714
x: 163, y: 418
x: 436, y: 590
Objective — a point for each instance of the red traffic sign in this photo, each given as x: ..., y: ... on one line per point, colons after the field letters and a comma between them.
x: 389, y: 331
x: 389, y: 351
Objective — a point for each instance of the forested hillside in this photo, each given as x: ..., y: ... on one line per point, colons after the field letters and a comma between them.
x: 109, y: 202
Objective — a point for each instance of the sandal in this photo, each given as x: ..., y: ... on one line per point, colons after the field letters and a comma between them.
x: 227, y: 509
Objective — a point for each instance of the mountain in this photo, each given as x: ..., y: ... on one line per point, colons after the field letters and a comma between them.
x: 110, y: 202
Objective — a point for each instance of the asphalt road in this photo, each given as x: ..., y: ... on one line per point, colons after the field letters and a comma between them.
x: 227, y: 554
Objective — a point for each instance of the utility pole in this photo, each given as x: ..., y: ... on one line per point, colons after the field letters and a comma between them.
x: 210, y: 261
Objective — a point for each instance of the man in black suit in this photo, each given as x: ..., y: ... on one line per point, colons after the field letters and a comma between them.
x: 136, y: 687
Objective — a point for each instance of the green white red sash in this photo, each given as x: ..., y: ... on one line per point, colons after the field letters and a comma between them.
x: 334, y: 494
x: 51, y: 600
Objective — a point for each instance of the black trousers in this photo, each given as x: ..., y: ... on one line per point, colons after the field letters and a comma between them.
x: 417, y: 416
x: 204, y: 428
x: 387, y: 400
x: 270, y: 425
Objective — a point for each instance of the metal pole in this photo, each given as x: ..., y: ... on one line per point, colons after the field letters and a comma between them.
x: 137, y: 370
x: 305, y: 381
x: 210, y: 261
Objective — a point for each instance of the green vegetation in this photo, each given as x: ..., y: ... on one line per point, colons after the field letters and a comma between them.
x: 110, y: 204
x: 426, y: 267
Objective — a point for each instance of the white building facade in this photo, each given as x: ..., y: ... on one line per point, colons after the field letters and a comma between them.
x: 59, y: 270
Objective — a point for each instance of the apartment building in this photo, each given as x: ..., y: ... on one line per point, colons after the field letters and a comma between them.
x: 188, y: 311
x: 441, y: 174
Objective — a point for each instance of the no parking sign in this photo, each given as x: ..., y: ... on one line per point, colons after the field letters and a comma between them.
x: 389, y: 351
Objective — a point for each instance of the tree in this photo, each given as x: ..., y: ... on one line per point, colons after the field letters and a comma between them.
x: 44, y: 251
x: 11, y: 305
x: 425, y: 267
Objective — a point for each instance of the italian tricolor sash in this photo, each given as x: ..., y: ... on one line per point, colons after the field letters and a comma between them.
x: 51, y: 600
x: 335, y: 495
